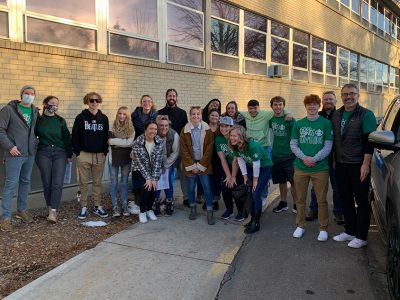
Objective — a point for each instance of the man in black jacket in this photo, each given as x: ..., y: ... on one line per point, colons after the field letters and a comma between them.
x: 178, y: 118
x: 89, y: 143
x: 352, y: 124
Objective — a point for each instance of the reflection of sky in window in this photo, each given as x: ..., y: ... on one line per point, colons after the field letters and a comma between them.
x: 371, y: 71
x: 195, y: 4
x: 300, y: 37
x: 355, y: 6
x: 279, y: 30
x: 135, y: 16
x: 77, y: 10
x: 300, y: 56
x: 316, y: 61
x: 255, y: 21
x: 331, y: 64
x: 224, y: 37
x: 279, y: 51
x: 385, y: 73
x: 224, y: 11
x: 317, y: 43
x: 185, y: 26
x: 373, y: 16
x: 364, y: 10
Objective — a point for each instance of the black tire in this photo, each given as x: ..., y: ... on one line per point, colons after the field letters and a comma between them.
x: 393, y: 254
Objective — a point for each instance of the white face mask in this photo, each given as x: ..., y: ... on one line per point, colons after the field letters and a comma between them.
x: 27, y: 99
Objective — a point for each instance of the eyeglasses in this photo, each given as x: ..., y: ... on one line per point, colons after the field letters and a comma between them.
x: 94, y: 100
x: 351, y: 94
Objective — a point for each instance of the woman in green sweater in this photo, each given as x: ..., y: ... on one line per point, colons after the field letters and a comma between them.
x: 54, y: 151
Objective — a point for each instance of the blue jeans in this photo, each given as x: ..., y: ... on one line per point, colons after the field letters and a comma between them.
x: 124, y: 184
x: 169, y: 193
x: 52, y: 162
x: 264, y: 193
x: 262, y: 185
x: 18, y: 172
x: 205, y: 183
x: 337, y: 200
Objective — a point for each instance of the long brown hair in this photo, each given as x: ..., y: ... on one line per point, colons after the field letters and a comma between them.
x: 126, y: 126
x: 241, y: 132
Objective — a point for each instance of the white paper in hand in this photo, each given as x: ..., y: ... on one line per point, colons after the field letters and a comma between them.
x: 163, y: 182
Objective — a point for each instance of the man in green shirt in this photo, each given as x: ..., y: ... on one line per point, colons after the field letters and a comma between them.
x: 282, y: 156
x: 18, y: 140
x: 352, y: 124
x: 311, y: 142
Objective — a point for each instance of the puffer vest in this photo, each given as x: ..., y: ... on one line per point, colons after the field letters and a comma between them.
x: 349, y: 145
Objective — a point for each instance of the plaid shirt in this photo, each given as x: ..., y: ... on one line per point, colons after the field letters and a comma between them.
x: 148, y: 164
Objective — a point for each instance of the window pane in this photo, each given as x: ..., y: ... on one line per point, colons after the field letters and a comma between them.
x: 373, y: 17
x: 3, y: 2
x: 331, y: 80
x: 319, y: 78
x: 225, y: 63
x: 77, y: 10
x: 301, y: 37
x: 388, y: 17
x: 129, y: 46
x: 364, y: 10
x: 300, y: 75
x: 378, y: 77
x: 300, y: 56
x: 355, y: 6
x: 317, y: 61
x: 363, y: 69
x: 345, y: 2
x: 3, y: 23
x: 331, y: 64
x: 371, y: 71
x: 353, y: 66
x: 331, y: 48
x: 195, y: 4
x: 224, y: 37
x: 343, y: 67
x: 185, y: 26
x: 253, y: 67
x: 385, y: 74
x: 392, y: 77
x: 135, y: 16
x: 279, y: 51
x: 318, y: 43
x: 255, y: 44
x: 224, y: 11
x: 279, y: 30
x: 44, y: 32
x: 343, y: 53
x: 185, y: 56
x: 254, y: 21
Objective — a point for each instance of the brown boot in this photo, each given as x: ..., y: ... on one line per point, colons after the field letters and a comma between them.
x: 5, y: 225
x: 52, y: 218
x: 24, y: 216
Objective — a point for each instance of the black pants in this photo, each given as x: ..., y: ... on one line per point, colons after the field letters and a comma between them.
x: 227, y: 193
x: 146, y: 197
x: 351, y: 188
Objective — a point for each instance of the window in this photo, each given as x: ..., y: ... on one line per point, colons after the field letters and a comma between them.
x: 381, y: 19
x: 344, y: 63
x: 224, y: 36
x: 185, y: 34
x: 301, y: 43
x: 354, y: 67
x: 385, y: 78
x: 363, y: 72
x: 70, y: 23
x: 393, y: 29
x: 133, y: 28
x: 3, y: 24
x: 365, y: 12
x: 345, y: 2
x: 378, y: 77
x: 280, y: 35
x: 371, y: 76
x: 355, y: 6
x: 388, y: 18
x: 317, y: 60
x: 373, y: 15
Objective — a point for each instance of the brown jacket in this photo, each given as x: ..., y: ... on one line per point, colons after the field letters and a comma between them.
x: 206, y: 144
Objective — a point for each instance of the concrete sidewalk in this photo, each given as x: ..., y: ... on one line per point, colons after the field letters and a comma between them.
x: 171, y: 258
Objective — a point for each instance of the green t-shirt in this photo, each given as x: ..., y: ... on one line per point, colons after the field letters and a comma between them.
x: 311, y: 136
x: 254, y: 152
x: 368, y: 122
x: 26, y: 113
x: 282, y: 131
x: 221, y: 145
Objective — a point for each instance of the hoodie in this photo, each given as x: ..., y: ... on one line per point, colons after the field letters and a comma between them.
x: 90, y: 133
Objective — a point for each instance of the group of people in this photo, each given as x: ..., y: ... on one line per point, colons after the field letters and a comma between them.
x: 228, y: 153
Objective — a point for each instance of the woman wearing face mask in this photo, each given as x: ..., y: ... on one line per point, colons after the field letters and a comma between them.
x: 54, y: 150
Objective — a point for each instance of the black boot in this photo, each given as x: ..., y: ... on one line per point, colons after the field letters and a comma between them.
x: 255, y: 224
x: 156, y: 207
x: 215, y: 205
x: 193, y: 212
x: 251, y: 221
x: 210, y: 217
x: 169, y: 210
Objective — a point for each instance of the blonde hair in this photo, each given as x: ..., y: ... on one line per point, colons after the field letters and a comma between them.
x: 126, y: 126
x: 241, y: 132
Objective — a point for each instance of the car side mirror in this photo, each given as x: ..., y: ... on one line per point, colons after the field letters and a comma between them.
x: 383, y: 140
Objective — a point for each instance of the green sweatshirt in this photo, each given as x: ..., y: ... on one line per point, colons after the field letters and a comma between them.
x: 258, y: 127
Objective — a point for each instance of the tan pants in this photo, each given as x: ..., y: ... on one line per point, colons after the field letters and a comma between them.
x: 94, y: 163
x: 320, y: 183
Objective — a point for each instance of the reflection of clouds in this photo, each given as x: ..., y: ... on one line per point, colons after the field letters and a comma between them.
x: 124, y: 45
x: 185, y: 56
x: 135, y: 16
x: 55, y: 33
x: 77, y: 10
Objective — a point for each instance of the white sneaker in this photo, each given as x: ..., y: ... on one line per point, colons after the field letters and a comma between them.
x: 357, y: 243
x: 142, y: 218
x: 343, y: 237
x: 264, y: 201
x: 133, y: 208
x: 150, y: 214
x: 298, y: 233
x: 323, y: 236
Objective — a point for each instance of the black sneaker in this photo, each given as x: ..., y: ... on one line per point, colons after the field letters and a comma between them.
x: 215, y: 205
x: 99, y: 211
x: 156, y: 207
x: 282, y: 206
x: 186, y: 203
x: 239, y: 217
x: 169, y: 210
x: 83, y: 213
x: 312, y: 215
x: 227, y: 214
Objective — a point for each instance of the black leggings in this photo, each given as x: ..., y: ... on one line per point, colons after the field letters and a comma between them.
x: 227, y: 193
x: 146, y: 197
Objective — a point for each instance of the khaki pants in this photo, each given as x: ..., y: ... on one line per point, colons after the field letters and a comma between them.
x: 320, y: 183
x: 94, y: 163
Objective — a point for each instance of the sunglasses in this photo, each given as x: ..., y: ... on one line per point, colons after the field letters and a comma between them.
x: 94, y: 100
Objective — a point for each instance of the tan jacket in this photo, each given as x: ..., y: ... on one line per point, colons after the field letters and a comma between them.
x: 206, y: 144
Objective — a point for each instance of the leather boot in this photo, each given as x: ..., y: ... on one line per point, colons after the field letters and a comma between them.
x: 255, y: 224
x: 250, y: 222
x: 210, y: 217
x: 193, y: 212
